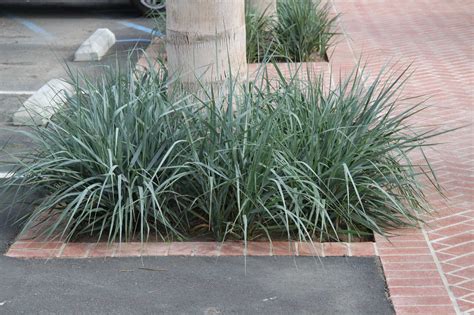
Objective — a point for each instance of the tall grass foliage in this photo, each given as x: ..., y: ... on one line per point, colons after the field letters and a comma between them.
x: 301, y: 31
x: 277, y: 158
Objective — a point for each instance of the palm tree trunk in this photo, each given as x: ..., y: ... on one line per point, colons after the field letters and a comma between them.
x: 205, y: 40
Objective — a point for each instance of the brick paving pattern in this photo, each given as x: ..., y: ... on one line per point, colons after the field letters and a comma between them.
x: 429, y: 271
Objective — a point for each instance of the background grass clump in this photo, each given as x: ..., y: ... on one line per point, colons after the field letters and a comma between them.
x: 260, y: 38
x: 280, y: 158
x: 302, y: 30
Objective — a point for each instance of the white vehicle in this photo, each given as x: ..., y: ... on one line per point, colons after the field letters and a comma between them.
x: 145, y: 6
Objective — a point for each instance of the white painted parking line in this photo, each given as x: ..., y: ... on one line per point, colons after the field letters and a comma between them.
x: 6, y: 175
x: 17, y: 92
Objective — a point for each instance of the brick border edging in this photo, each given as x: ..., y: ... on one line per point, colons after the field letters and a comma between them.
x: 48, y: 250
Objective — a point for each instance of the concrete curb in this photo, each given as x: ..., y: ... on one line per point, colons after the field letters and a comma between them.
x: 96, y: 46
x: 41, y: 106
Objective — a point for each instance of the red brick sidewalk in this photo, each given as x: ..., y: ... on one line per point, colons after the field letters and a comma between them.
x: 429, y: 271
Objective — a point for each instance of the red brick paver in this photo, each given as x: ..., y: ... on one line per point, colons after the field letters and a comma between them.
x: 428, y: 271
x: 42, y: 249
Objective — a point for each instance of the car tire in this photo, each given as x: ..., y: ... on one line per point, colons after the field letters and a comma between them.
x: 149, y: 7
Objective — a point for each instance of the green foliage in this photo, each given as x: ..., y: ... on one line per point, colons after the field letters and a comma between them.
x: 301, y: 30
x: 304, y: 27
x: 274, y: 158
x: 259, y: 29
x: 106, y: 162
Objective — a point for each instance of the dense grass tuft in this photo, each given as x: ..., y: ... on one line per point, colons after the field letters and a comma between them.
x: 108, y: 160
x: 282, y: 158
x: 302, y: 30
x: 260, y: 36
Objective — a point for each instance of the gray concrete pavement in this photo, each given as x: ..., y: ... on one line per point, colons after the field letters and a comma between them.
x: 37, y: 43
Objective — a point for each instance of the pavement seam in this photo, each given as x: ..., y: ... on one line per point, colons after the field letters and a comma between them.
x: 457, y: 256
x: 441, y: 273
x: 344, y: 33
x: 376, y: 249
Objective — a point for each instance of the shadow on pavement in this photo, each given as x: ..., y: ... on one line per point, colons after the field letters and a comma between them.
x: 69, y: 10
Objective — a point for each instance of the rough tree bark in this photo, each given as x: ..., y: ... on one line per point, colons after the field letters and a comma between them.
x: 205, y: 40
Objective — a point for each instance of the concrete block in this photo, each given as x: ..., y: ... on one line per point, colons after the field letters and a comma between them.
x: 96, y: 46
x: 40, y: 107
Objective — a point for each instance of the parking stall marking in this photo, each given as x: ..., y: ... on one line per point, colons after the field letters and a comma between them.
x: 142, y: 28
x: 17, y: 92
x: 33, y: 27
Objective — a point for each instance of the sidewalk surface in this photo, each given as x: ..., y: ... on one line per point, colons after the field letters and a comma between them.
x: 429, y: 271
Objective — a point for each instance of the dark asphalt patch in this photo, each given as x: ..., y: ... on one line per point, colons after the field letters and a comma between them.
x: 187, y: 285
x: 194, y: 285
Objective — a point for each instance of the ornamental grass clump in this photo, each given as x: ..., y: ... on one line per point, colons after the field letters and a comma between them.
x: 276, y: 158
x: 301, y: 31
x: 106, y: 162
x: 296, y: 162
x: 304, y: 28
x: 260, y: 40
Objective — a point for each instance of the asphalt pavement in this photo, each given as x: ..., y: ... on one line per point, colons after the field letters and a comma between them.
x: 35, y: 45
x: 192, y: 285
x: 185, y: 285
